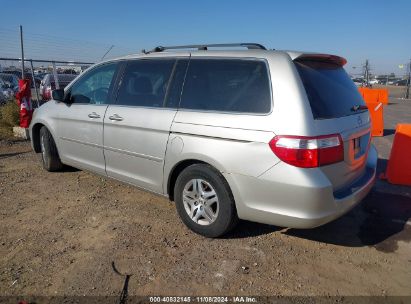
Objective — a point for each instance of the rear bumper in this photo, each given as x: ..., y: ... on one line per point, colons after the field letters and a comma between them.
x: 298, y: 198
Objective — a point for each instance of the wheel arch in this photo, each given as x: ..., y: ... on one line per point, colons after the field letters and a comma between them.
x: 35, y: 136
x: 183, y: 164
x: 175, y: 172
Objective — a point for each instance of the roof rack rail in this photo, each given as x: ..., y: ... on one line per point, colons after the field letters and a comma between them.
x: 204, y: 47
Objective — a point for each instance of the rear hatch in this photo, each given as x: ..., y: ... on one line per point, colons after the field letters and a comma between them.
x: 337, y: 108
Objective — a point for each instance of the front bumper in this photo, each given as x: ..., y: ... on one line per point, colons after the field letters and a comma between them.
x: 304, y: 199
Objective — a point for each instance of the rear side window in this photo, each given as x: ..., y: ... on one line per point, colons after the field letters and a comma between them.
x: 329, y: 89
x: 228, y: 85
x: 145, y: 82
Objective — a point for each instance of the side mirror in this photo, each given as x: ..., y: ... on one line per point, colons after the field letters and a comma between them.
x: 58, y: 95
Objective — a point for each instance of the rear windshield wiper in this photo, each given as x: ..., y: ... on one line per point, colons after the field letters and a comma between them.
x: 358, y: 108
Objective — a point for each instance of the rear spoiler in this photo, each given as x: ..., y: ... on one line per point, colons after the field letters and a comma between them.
x: 341, y: 61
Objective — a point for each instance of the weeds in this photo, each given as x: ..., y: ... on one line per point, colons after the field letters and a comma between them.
x: 9, y: 118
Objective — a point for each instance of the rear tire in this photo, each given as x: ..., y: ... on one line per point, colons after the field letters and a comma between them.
x: 49, y: 154
x: 204, y: 201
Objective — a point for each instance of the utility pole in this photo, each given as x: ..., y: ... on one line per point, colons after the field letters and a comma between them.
x: 22, y: 52
x: 407, y: 92
x: 367, y: 73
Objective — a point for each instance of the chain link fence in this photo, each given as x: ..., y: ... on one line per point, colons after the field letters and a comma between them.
x: 36, y: 70
x: 46, y: 54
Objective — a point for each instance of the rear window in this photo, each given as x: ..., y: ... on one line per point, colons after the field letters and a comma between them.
x: 228, y: 85
x: 330, y: 90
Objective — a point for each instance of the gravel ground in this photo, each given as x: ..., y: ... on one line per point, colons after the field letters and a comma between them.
x: 62, y: 232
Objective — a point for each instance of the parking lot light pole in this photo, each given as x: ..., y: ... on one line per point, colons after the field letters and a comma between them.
x: 22, y: 52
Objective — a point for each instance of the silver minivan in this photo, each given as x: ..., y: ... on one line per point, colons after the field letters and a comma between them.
x: 275, y: 137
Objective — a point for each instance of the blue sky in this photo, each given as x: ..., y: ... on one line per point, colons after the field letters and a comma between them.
x: 376, y: 30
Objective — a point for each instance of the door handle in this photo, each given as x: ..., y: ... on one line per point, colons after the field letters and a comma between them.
x: 116, y: 117
x: 93, y: 115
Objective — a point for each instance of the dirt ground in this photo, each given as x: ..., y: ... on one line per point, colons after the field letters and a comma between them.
x: 60, y: 234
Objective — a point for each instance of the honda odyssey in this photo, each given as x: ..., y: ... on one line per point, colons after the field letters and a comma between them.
x: 275, y: 137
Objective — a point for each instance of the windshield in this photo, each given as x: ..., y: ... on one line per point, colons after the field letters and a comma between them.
x: 329, y: 89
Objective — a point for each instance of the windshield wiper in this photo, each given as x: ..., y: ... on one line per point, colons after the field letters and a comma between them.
x: 358, y: 108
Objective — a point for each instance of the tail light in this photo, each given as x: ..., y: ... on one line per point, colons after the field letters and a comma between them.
x: 308, y: 152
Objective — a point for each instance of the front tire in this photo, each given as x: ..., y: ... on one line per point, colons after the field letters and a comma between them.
x: 49, y: 154
x: 204, y: 201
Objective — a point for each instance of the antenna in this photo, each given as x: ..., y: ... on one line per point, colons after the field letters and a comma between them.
x: 107, y: 52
